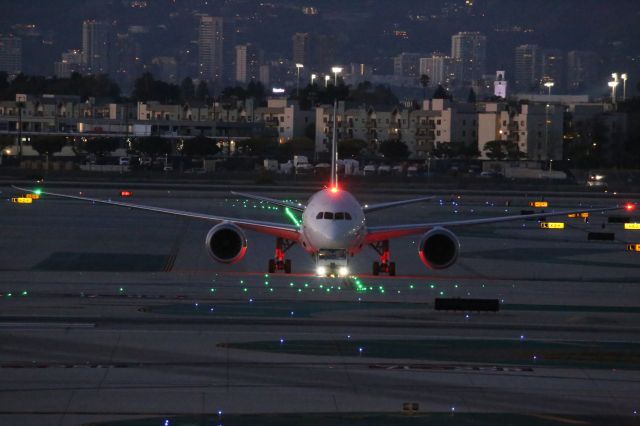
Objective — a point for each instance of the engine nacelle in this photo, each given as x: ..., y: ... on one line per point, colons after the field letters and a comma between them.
x: 226, y: 243
x: 439, y: 248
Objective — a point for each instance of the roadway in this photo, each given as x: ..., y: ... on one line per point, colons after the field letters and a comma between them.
x: 116, y: 315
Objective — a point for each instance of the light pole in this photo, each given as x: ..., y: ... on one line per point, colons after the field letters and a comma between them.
x: 313, y: 77
x: 548, y: 85
x: 326, y: 81
x: 298, y: 68
x: 613, y: 85
x: 624, y: 86
x: 336, y: 71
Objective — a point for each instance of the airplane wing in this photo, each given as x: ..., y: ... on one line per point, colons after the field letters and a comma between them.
x: 380, y: 233
x: 367, y: 208
x: 290, y: 232
x: 293, y: 206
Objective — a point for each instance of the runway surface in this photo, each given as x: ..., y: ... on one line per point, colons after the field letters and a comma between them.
x: 113, y: 315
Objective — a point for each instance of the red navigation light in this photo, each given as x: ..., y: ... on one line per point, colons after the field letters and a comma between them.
x: 334, y: 190
x: 630, y: 207
x: 126, y: 193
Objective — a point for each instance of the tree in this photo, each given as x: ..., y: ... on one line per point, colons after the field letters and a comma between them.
x: 47, y: 145
x: 302, y: 145
x: 394, y: 149
x: 261, y: 147
x: 100, y: 146
x: 152, y: 146
x: 202, y: 91
x: 441, y: 93
x: 200, y: 146
x: 500, y: 150
x: 187, y: 90
x: 424, y: 82
x: 350, y: 148
x: 472, y: 96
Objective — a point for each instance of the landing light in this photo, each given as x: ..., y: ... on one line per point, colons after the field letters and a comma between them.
x: 321, y: 271
x: 343, y: 271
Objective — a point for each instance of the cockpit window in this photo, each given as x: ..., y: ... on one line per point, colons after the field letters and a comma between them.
x: 328, y: 215
x: 319, y: 216
x: 339, y: 216
x: 347, y: 216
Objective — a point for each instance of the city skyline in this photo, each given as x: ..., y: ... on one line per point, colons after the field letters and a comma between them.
x: 146, y: 36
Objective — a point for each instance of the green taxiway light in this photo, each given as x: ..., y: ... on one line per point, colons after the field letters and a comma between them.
x: 292, y: 216
x: 24, y: 293
x: 37, y: 191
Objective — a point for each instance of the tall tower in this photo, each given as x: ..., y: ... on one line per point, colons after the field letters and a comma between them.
x: 300, y: 48
x: 527, y: 67
x: 11, y: 55
x: 248, y: 61
x: 582, y: 70
x: 95, y: 46
x: 469, y: 50
x: 552, y: 67
x: 210, y: 45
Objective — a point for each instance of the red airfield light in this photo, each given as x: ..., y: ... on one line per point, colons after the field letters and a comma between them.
x: 630, y: 207
x: 126, y: 193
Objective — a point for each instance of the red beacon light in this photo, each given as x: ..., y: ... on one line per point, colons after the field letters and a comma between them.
x: 630, y: 207
x: 126, y: 194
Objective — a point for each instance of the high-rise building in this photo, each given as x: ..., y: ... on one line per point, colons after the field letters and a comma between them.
x: 301, y: 48
x: 469, y: 50
x: 407, y: 64
x: 11, y: 55
x: 248, y: 61
x: 527, y: 67
x: 95, y: 46
x: 70, y: 62
x: 210, y: 45
x: 552, y: 68
x: 582, y: 70
x: 439, y: 68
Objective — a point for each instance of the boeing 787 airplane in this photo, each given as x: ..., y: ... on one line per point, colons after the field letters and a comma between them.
x: 333, y: 229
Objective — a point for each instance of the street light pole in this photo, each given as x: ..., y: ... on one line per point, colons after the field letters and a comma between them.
x: 624, y: 86
x: 298, y: 67
x: 548, y: 85
x: 326, y: 81
x: 336, y: 71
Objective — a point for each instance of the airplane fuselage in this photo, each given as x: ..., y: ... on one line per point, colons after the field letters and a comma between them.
x: 333, y: 220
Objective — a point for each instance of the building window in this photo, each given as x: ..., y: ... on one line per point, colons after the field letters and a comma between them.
x: 439, y: 122
x: 438, y: 133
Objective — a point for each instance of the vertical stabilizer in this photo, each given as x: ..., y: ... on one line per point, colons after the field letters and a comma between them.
x: 334, y: 150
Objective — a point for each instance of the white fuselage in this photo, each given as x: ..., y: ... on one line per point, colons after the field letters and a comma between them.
x: 333, y: 220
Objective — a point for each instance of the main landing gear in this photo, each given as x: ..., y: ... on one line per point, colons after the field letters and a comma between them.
x: 384, y: 265
x: 279, y: 263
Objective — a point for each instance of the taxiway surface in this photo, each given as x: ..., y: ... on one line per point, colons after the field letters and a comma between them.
x: 110, y: 314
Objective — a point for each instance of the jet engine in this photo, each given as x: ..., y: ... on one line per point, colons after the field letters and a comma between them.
x: 439, y: 248
x: 226, y: 243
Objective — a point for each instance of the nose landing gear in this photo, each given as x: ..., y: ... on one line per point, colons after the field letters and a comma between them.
x: 384, y: 265
x: 279, y: 263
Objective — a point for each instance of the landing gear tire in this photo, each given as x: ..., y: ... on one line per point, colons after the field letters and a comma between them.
x: 272, y: 266
x: 392, y: 269
x: 376, y: 268
x: 287, y: 266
